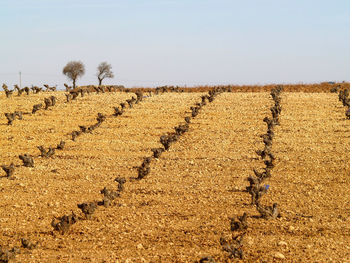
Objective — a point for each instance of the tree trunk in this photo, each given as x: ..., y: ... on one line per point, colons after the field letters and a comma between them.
x: 99, y: 82
x: 74, y: 83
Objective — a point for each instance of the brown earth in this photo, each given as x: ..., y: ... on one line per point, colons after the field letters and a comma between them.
x: 179, y: 212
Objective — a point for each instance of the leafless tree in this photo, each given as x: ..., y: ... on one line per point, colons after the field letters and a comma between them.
x: 104, y: 70
x: 74, y: 70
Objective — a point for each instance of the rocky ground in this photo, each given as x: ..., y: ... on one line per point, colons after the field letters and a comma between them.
x: 183, y: 207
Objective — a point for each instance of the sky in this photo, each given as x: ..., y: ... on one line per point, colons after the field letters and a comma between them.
x: 183, y: 42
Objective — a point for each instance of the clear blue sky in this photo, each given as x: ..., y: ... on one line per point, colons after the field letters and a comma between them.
x: 192, y: 42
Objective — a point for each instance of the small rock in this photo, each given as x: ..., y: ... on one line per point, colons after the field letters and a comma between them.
x: 139, y: 246
x: 279, y: 255
x: 282, y: 244
x: 250, y: 241
x: 291, y: 228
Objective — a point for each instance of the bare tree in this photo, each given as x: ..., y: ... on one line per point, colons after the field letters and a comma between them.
x: 104, y: 70
x: 74, y: 70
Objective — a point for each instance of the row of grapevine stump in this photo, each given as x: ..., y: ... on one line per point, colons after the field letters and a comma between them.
x: 51, y: 101
x: 26, y: 90
x: 257, y: 189
x: 343, y: 96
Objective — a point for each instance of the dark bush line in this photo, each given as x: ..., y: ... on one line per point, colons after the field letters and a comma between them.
x: 35, y: 90
x: 74, y: 93
x: 256, y: 189
x: 83, y: 129
x: 48, y: 102
x: 63, y: 224
x: 165, y: 89
x: 51, y: 101
x: 343, y: 97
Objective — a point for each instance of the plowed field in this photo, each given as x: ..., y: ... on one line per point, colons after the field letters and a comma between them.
x: 182, y: 208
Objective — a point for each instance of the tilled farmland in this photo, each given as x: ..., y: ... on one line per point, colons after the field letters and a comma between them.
x: 171, y: 176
